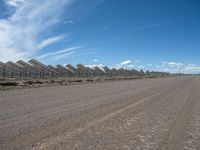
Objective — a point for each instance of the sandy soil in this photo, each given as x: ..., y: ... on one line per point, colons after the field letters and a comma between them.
x: 122, y: 115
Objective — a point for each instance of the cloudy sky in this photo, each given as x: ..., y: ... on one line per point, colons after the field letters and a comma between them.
x: 142, y: 34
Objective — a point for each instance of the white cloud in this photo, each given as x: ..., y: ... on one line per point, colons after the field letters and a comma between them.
x: 69, y: 22
x: 58, y: 53
x: 149, y: 65
x: 175, y: 64
x: 192, y: 68
x: 96, y: 60
x: 100, y: 66
x: 62, y: 56
x: 159, y: 66
x: 191, y: 65
x: 50, y: 41
x: 136, y: 61
x: 30, y: 20
x: 131, y: 66
x: 171, y: 63
x: 95, y: 65
x: 175, y: 67
x: 14, y: 3
x: 140, y: 67
x: 147, y: 27
x: 164, y: 70
x: 126, y: 62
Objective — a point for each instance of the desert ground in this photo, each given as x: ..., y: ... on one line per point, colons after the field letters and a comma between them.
x: 147, y: 114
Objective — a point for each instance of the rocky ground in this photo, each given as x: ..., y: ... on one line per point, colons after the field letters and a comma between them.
x: 142, y: 114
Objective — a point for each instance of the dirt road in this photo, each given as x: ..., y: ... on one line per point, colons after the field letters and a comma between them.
x: 156, y: 114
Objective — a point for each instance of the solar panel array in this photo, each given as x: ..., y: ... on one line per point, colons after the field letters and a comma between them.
x: 36, y: 69
x: 13, y: 70
x: 2, y: 66
x: 72, y: 70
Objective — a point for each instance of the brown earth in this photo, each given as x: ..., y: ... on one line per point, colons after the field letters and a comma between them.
x: 135, y: 114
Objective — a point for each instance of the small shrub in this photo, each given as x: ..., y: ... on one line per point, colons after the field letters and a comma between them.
x: 8, y: 83
x: 39, y: 82
x: 29, y: 82
x: 89, y: 80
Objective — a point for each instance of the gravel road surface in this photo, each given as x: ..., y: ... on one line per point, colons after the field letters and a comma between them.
x: 148, y: 114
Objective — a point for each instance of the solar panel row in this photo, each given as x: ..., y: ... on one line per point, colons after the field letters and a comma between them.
x: 36, y: 69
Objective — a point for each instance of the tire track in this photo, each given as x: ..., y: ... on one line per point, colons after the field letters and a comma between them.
x: 175, y: 136
x: 68, y: 119
x: 48, y: 143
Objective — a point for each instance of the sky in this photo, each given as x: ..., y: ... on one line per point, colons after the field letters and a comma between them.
x: 156, y: 35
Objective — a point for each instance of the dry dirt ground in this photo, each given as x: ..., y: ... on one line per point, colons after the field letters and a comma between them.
x: 156, y: 114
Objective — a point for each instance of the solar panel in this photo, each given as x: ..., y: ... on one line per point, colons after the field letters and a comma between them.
x: 29, y: 70
x: 81, y: 70
x: 1, y: 63
x: 135, y: 72
x: 41, y: 69
x: 102, y: 69
x: 13, y: 70
x: 72, y: 70
x: 23, y: 63
x: 53, y: 71
x: 107, y: 71
x: 2, y: 69
x: 62, y: 71
x: 114, y: 72
x: 90, y: 72
x: 36, y: 62
x: 34, y: 68
x: 99, y: 71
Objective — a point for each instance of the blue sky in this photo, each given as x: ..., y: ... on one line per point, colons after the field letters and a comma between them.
x: 142, y: 34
